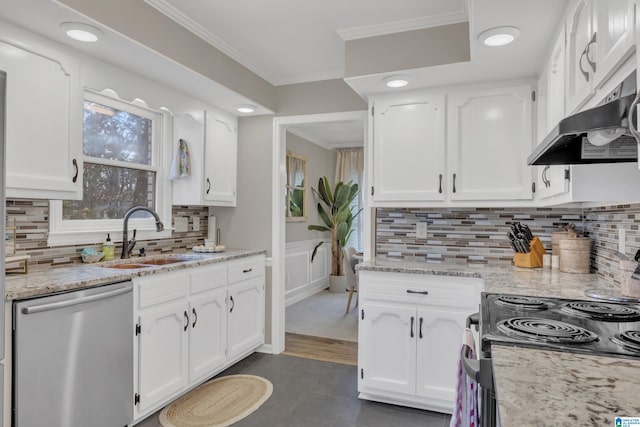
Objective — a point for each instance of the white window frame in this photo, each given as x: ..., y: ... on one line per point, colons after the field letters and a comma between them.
x: 71, y: 232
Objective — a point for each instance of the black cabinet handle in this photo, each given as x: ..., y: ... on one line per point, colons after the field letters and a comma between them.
x: 409, y: 291
x: 248, y: 270
x: 420, y: 333
x: 208, y: 185
x: 186, y: 320
x: 440, y: 184
x: 195, y: 317
x: 412, y: 319
x: 592, y: 41
x: 585, y: 73
x: 233, y: 304
x: 454, y: 182
x: 75, y: 165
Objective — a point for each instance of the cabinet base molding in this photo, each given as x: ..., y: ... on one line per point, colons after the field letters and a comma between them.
x: 408, y: 401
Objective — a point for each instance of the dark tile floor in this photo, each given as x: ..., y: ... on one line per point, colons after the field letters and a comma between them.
x: 310, y: 393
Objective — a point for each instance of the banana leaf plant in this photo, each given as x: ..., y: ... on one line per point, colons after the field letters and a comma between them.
x: 337, y: 215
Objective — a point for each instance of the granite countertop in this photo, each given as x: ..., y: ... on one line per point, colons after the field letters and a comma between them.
x: 542, y: 387
x: 505, y: 279
x: 87, y: 275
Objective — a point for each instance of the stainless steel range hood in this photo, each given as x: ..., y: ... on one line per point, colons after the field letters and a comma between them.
x: 597, y: 135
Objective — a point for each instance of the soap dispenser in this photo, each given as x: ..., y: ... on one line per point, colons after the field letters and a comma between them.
x: 108, y: 248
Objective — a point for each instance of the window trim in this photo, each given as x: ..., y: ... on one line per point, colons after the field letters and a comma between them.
x: 72, y: 232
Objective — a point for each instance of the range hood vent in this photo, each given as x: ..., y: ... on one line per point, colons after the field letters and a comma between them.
x: 597, y: 135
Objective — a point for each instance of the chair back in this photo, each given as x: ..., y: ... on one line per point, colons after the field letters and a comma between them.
x: 349, y: 266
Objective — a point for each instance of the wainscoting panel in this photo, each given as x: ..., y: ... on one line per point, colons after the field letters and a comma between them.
x: 304, y: 278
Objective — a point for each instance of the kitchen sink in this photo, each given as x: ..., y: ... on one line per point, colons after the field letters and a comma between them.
x: 150, y: 262
x: 163, y: 261
x: 127, y: 266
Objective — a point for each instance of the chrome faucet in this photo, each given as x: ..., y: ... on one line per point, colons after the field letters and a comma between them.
x: 128, y: 245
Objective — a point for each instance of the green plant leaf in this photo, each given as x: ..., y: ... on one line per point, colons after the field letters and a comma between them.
x: 324, y: 216
x: 342, y: 231
x: 315, y: 250
x: 318, y: 228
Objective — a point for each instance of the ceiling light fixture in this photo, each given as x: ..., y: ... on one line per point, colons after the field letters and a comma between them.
x: 81, y: 32
x: 499, y: 36
x: 395, y: 81
x: 246, y: 108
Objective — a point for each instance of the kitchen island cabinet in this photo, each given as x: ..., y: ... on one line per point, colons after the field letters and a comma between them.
x: 409, y: 334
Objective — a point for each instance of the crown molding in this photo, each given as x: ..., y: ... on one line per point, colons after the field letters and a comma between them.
x: 180, y: 18
x: 404, y: 25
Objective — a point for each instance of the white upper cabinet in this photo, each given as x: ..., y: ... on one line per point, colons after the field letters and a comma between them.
x: 555, y: 108
x: 408, y: 148
x: 43, y: 121
x: 221, y: 142
x: 579, y: 69
x: 614, y: 26
x: 489, y: 139
x: 212, y: 145
x: 600, y: 35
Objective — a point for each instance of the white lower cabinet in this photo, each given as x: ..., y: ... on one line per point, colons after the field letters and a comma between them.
x: 409, y: 337
x: 192, y: 324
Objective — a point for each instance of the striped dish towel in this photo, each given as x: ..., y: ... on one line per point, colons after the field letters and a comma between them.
x: 465, y: 412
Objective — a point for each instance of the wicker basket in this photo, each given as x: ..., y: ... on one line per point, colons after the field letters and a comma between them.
x: 575, y: 255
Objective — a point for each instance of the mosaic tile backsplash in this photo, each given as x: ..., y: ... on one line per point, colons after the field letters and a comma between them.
x: 464, y: 235
x: 32, y: 222
x: 479, y: 235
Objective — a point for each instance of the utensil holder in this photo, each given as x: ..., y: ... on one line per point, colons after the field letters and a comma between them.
x: 531, y: 259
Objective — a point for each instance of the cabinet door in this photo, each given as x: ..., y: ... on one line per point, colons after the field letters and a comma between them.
x: 207, y: 333
x: 43, y: 123
x: 188, y: 190
x: 555, y: 109
x: 408, y: 149
x: 439, y: 334
x: 542, y: 93
x: 387, y: 348
x: 551, y: 181
x: 489, y: 141
x: 614, y: 25
x: 246, y: 316
x: 579, y: 71
x: 219, y: 184
x: 162, y: 360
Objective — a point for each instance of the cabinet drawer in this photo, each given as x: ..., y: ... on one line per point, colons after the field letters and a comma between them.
x: 207, y: 278
x: 421, y: 289
x: 160, y: 288
x: 246, y: 269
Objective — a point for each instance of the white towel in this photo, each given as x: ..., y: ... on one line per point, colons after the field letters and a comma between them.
x: 465, y: 412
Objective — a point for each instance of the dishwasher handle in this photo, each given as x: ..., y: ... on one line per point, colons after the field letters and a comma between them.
x: 75, y: 301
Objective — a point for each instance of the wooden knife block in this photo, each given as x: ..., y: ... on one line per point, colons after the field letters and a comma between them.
x: 531, y: 259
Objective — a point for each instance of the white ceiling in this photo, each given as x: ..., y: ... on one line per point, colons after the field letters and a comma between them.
x: 290, y: 41
x: 331, y: 135
x: 293, y: 41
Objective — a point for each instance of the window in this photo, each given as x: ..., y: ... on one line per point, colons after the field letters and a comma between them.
x: 122, y: 168
x: 296, y: 187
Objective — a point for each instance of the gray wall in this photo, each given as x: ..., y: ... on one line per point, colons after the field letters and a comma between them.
x: 427, y: 47
x: 144, y: 24
x: 320, y: 162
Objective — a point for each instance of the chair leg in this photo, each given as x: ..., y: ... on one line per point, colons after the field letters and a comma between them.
x: 349, y: 300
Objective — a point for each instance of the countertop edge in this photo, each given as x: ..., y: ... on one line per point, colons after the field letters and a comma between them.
x: 81, y: 276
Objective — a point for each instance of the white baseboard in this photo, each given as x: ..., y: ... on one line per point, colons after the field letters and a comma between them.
x: 306, y: 294
x: 265, y: 348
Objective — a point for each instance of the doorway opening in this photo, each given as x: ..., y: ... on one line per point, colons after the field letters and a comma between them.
x: 306, y: 318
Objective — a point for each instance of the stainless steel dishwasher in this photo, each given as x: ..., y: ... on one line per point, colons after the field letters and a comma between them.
x: 73, y: 359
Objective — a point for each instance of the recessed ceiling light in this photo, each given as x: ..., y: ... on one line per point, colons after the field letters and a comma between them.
x: 246, y: 108
x: 499, y: 36
x: 395, y: 81
x: 81, y: 32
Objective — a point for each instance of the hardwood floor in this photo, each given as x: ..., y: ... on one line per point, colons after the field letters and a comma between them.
x: 318, y: 348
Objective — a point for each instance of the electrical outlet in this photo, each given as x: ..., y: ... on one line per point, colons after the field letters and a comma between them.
x: 421, y: 230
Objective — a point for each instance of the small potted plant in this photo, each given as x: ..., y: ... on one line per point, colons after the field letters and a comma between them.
x: 337, y: 215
